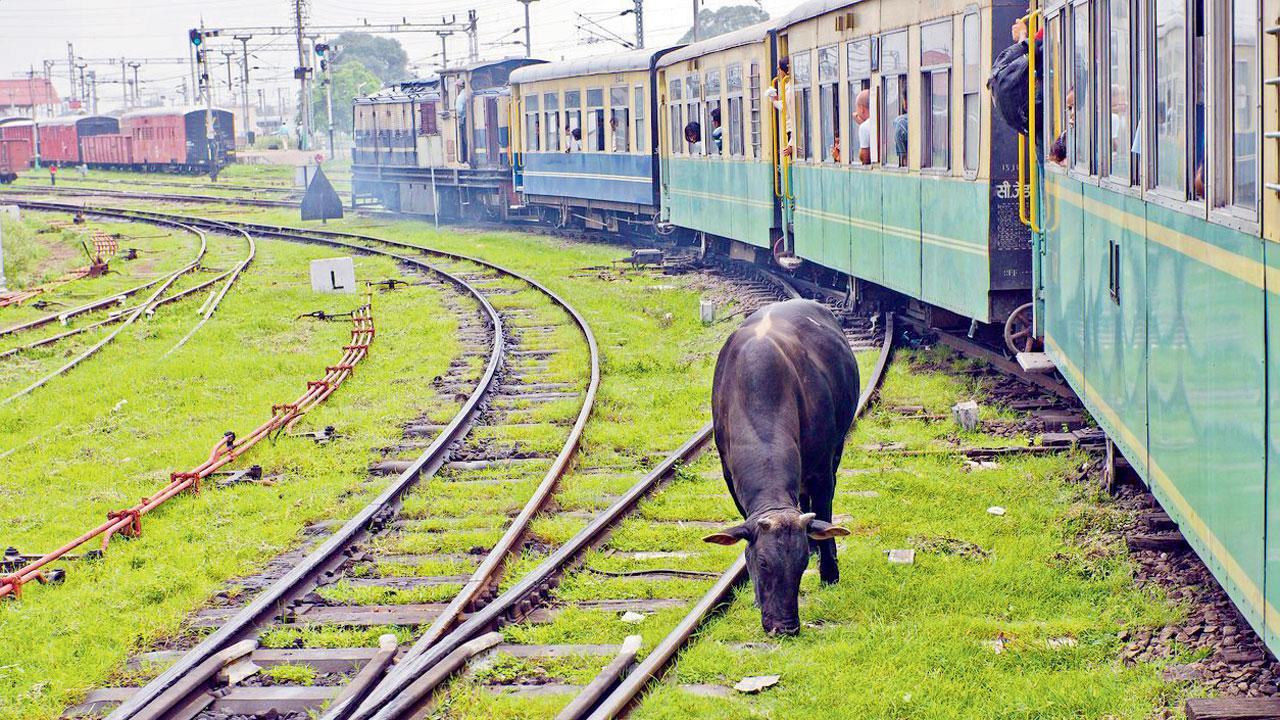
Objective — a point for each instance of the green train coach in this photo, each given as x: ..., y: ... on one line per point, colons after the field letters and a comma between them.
x: 854, y: 143
x: 1155, y: 199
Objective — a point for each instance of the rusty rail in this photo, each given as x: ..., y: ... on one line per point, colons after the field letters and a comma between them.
x: 229, y: 448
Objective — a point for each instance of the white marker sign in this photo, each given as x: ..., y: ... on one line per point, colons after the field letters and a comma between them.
x: 333, y: 275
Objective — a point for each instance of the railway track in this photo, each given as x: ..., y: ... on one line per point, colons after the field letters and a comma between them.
x: 118, y: 311
x: 523, y: 328
x: 189, y: 679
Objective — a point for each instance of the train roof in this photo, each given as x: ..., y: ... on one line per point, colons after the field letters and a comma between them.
x: 409, y: 90
x: 159, y: 111
x: 482, y: 64
x: 597, y: 65
x: 72, y: 120
x: 16, y: 120
x: 757, y: 32
x: 737, y: 38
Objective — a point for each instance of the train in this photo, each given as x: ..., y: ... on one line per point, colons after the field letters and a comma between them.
x: 149, y: 140
x: 1126, y: 237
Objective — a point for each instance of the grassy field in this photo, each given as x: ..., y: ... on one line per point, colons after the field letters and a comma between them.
x: 889, y: 641
x: 114, y: 429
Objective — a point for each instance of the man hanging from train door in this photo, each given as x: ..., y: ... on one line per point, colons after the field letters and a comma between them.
x: 460, y: 104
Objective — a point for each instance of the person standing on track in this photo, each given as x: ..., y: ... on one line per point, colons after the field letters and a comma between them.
x: 53, y: 175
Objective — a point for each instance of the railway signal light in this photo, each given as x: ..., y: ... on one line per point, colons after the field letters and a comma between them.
x: 194, y: 35
x: 321, y: 49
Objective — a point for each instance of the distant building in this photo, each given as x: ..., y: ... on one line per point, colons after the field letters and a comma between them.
x: 29, y: 97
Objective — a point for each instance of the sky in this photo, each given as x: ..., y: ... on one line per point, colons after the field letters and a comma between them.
x: 32, y: 31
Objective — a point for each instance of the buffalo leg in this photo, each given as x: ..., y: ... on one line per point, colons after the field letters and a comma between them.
x: 828, y: 569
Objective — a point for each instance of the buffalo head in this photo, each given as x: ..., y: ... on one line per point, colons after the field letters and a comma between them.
x: 777, y: 554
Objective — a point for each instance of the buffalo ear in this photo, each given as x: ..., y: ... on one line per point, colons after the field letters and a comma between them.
x: 728, y: 536
x: 819, y: 530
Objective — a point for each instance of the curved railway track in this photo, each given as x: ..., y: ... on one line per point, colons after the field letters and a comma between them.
x: 408, y: 688
x: 509, y: 379
x: 457, y: 628
x: 122, y: 314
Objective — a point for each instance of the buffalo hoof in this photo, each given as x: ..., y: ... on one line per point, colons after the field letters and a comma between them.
x: 782, y: 630
x: 829, y: 577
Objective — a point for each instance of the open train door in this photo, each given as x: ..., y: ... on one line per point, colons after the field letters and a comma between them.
x: 491, y: 130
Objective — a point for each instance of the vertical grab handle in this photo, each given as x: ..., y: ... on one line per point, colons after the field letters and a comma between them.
x: 1032, y: 219
x: 1024, y: 190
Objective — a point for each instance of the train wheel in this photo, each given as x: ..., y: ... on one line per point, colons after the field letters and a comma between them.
x: 1018, y: 335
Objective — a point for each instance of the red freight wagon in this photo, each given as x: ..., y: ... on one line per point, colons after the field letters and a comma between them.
x: 15, y: 156
x: 114, y: 151
x: 61, y: 138
x: 18, y: 129
x: 159, y: 136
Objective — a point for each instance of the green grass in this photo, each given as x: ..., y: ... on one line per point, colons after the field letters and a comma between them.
x: 112, y: 431
x: 889, y: 641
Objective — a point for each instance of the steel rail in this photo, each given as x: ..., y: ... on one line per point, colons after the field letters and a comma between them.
x: 616, y: 702
x: 400, y: 695
x: 233, y: 275
x: 301, y: 577
x: 168, y: 197
x: 267, y: 603
x: 129, y: 320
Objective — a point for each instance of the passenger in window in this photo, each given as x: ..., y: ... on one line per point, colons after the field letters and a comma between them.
x: 1058, y: 151
x: 901, y: 132
x: 693, y: 136
x: 835, y: 148
x: 866, y: 127
x: 784, y: 82
x: 717, y: 133
x: 614, y: 144
x: 575, y: 140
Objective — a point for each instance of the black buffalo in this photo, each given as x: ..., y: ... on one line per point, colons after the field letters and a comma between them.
x: 783, y: 400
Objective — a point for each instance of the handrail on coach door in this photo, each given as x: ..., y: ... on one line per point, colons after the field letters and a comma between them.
x: 1028, y: 161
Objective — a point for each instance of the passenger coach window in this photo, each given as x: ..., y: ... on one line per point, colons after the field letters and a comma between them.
x: 1120, y: 86
x: 1170, y: 116
x: 733, y: 90
x: 712, y: 124
x: 1245, y: 123
x: 551, y: 104
x: 619, y: 120
x: 639, y: 120
x: 595, y: 120
x: 532, y: 127
x: 801, y: 77
x: 972, y: 90
x: 754, y: 81
x: 862, y: 124
x: 429, y: 124
x: 693, y: 93
x: 572, y: 119
x: 895, y: 120
x: 1198, y: 99
x: 935, y: 76
x: 829, y: 102
x: 676, y: 122
x: 1080, y: 105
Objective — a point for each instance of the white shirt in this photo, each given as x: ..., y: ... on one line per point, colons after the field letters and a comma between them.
x: 864, y: 134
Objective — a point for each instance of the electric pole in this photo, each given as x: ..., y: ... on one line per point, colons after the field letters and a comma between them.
x: 695, y: 20
x: 244, y: 87
x: 639, y: 23
x: 137, y: 88
x: 473, y: 39
x: 444, y: 49
x: 231, y: 93
x: 300, y: 73
x: 528, y: 42
x: 71, y: 69
x: 124, y: 84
